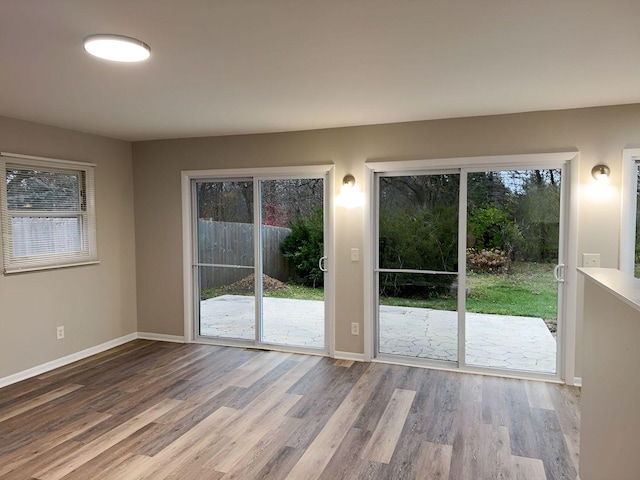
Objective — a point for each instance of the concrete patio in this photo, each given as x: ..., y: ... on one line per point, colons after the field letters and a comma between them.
x: 500, y: 341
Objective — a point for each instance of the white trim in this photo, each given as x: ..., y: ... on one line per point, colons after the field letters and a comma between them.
x: 49, y: 267
x: 461, y: 305
x: 568, y: 335
x: 369, y: 263
x: 86, y: 252
x: 577, y: 382
x: 187, y: 258
x: 502, y: 161
x: 265, y: 173
x: 61, y: 362
x: 256, y: 191
x: 357, y: 357
x: 251, y: 345
x: 160, y: 337
x: 329, y: 252
x: 446, y: 366
x: 626, y: 261
x: 327, y: 173
x: 274, y: 347
x: 566, y: 367
x: 46, y: 159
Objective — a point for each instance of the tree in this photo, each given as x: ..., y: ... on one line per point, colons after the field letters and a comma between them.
x: 538, y: 214
x: 304, y: 247
x: 226, y: 201
x: 232, y: 201
x: 418, y: 230
x: 42, y: 190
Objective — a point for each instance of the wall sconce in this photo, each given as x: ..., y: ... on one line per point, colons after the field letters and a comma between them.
x: 601, y: 173
x: 350, y: 195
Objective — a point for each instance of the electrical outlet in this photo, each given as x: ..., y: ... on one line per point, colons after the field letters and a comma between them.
x: 355, y: 254
x: 355, y: 328
x: 60, y: 333
x: 591, y: 260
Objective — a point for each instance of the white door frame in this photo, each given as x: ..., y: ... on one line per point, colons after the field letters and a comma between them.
x: 630, y: 157
x: 188, y: 245
x: 567, y: 335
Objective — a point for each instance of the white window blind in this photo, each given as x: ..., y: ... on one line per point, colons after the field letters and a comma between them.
x: 48, y: 213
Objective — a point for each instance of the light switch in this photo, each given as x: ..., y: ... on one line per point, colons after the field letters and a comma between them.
x: 355, y: 254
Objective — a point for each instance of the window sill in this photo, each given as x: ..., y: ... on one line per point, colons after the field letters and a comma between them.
x: 11, y: 271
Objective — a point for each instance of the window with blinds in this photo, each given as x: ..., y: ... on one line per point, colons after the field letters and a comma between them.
x: 48, y: 213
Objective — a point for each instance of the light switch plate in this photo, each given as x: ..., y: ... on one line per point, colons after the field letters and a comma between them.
x: 355, y: 254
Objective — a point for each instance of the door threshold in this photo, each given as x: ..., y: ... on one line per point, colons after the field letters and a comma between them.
x: 250, y: 345
x: 490, y: 372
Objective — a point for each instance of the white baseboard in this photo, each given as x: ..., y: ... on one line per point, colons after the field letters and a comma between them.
x: 358, y: 357
x: 161, y: 337
x: 61, y: 362
x: 577, y: 382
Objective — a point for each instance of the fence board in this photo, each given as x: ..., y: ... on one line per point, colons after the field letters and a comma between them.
x: 231, y: 243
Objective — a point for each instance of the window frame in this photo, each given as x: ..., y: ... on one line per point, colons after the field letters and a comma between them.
x: 630, y: 162
x: 87, y: 254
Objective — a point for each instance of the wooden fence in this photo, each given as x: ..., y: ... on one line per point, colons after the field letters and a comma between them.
x: 227, y: 243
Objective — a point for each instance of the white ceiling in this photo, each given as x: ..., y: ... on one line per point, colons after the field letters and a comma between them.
x: 245, y: 66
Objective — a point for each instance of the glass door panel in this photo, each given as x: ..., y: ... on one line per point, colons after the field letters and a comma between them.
x: 227, y: 304
x: 418, y: 265
x: 513, y: 238
x: 292, y: 244
x: 417, y: 315
x: 225, y: 259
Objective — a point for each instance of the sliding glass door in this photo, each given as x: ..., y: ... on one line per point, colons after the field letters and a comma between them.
x: 225, y: 258
x: 469, y: 267
x: 417, y: 262
x: 513, y: 248
x: 292, y: 246
x: 259, y: 254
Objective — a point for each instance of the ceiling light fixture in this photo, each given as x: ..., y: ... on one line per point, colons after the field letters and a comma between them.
x: 117, y: 48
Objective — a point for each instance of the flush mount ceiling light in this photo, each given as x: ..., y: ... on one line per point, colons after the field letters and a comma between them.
x: 117, y: 48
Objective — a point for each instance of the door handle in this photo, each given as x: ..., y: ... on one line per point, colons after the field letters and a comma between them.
x: 322, y: 264
x: 556, y: 273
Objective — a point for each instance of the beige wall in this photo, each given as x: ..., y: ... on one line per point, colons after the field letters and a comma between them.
x: 598, y: 133
x: 96, y: 304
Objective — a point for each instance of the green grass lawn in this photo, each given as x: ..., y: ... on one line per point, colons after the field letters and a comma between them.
x: 529, y: 290
x: 299, y: 292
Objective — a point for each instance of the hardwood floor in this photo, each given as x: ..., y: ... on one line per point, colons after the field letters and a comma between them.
x: 169, y: 411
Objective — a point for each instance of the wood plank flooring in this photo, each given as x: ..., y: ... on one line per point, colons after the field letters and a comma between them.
x: 152, y: 410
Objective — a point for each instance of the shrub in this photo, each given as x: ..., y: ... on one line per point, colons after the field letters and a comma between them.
x: 423, y: 240
x: 491, y: 228
x: 487, y: 261
x: 304, y: 247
